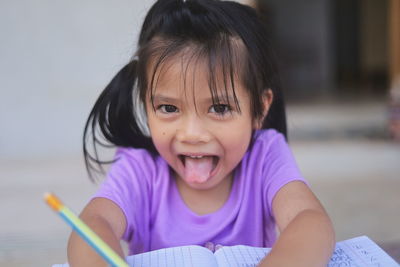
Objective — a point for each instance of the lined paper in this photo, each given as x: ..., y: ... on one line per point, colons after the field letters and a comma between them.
x: 356, y: 252
x: 360, y: 252
x: 243, y: 256
x: 187, y: 256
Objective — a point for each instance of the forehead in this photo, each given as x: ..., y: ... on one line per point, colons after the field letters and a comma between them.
x: 192, y: 75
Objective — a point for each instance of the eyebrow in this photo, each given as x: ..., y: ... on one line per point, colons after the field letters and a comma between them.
x: 164, y: 98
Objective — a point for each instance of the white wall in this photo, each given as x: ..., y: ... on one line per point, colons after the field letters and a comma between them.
x: 55, y: 58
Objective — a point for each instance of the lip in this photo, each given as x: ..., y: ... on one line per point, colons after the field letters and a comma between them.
x: 196, y: 154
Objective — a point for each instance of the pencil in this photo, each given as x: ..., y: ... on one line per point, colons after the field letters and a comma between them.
x: 85, y: 232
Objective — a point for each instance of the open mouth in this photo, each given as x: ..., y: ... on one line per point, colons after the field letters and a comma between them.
x: 198, y: 168
x: 214, y: 159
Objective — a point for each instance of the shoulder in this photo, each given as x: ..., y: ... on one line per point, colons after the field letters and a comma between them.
x: 267, y: 135
x: 267, y: 139
x: 133, y: 154
x: 278, y: 166
x: 272, y: 153
x: 266, y: 148
x: 131, y: 175
x: 131, y: 163
x: 134, y: 157
x: 129, y: 184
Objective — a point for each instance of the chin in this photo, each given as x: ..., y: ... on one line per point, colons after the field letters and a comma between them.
x: 200, y: 186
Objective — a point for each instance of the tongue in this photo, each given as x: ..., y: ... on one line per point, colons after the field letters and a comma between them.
x: 198, y: 170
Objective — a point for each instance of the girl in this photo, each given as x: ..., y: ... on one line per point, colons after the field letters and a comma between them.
x: 199, y: 122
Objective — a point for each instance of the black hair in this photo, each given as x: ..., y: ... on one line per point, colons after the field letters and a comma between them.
x: 228, y: 35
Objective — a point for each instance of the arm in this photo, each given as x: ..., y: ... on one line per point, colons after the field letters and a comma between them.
x: 107, y: 220
x: 306, y: 236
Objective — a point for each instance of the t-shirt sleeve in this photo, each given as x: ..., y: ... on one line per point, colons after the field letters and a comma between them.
x: 279, y: 167
x: 127, y: 185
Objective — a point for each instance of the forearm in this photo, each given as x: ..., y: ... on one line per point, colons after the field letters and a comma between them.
x: 307, y: 241
x: 82, y: 254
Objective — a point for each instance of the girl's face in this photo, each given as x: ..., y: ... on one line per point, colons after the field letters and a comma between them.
x: 202, y: 142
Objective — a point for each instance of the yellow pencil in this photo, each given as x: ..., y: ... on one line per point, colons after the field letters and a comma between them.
x: 85, y: 232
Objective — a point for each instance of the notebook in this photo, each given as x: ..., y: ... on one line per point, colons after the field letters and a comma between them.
x: 356, y: 252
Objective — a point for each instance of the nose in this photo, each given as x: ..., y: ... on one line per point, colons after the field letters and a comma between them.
x: 192, y: 130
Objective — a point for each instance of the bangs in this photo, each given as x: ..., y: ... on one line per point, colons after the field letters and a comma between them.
x: 222, y: 59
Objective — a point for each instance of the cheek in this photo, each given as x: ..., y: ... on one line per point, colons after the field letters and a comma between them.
x: 235, y: 150
x: 163, y: 146
x: 237, y: 139
x: 161, y: 136
x: 155, y: 132
x: 158, y: 136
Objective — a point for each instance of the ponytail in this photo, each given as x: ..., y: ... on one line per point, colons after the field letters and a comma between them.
x: 117, y: 119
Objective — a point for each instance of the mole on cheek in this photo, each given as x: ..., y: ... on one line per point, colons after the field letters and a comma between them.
x: 163, y: 133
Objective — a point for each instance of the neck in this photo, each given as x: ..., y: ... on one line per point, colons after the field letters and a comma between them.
x: 205, y: 201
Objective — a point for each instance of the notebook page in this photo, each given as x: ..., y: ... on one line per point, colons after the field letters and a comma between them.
x: 240, y: 256
x: 360, y: 252
x: 187, y: 256
x: 356, y: 252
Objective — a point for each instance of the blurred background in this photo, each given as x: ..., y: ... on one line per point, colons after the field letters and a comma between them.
x: 340, y: 64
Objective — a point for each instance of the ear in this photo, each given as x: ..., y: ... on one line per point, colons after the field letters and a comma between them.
x: 267, y: 98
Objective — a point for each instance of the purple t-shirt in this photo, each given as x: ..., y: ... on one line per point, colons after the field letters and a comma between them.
x: 141, y: 184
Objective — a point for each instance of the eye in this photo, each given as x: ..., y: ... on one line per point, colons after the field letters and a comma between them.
x: 220, y: 109
x: 167, y: 109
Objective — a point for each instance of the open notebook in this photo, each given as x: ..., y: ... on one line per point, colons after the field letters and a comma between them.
x: 356, y: 252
